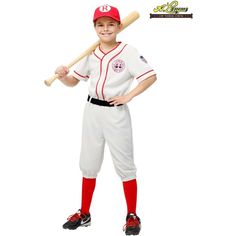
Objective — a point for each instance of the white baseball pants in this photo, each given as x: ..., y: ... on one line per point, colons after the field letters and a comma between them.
x: 112, y: 125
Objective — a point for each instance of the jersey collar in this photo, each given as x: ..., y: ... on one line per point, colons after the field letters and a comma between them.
x: 100, y: 54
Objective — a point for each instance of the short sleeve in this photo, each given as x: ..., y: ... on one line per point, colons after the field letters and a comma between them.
x: 138, y: 66
x: 81, y: 72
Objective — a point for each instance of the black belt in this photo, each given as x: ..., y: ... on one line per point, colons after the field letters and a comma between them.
x: 100, y: 102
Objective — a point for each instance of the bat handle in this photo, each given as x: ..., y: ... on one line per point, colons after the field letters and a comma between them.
x: 49, y: 81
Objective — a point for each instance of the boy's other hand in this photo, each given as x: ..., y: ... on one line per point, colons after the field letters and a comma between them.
x: 118, y: 100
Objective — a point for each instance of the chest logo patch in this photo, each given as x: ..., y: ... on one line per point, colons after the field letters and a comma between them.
x: 118, y: 65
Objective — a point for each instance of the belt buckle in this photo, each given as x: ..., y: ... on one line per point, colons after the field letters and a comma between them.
x: 89, y: 98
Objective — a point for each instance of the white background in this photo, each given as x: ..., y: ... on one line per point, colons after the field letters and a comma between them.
x: 184, y: 125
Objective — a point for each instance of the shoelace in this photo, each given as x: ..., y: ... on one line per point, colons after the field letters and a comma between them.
x: 74, y: 217
x: 131, y: 222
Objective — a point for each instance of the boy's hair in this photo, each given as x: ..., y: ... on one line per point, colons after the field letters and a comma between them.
x: 106, y: 10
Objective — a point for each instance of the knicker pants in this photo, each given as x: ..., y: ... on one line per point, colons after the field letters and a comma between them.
x: 112, y: 125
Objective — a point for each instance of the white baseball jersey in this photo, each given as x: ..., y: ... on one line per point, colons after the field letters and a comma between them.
x: 110, y: 74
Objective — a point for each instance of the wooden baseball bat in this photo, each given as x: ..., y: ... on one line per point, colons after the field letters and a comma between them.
x: 133, y: 16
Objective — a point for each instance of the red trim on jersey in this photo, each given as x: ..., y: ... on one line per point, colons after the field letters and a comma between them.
x: 144, y: 74
x: 108, y: 68
x: 83, y: 76
x: 96, y: 55
x: 99, y: 77
x: 105, y: 53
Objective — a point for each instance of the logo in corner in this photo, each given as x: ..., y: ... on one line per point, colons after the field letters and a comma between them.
x: 118, y: 65
x: 170, y: 10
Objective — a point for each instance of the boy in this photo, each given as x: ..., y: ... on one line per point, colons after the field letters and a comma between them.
x: 110, y: 68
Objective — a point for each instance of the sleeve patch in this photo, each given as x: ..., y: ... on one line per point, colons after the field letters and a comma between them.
x: 143, y: 59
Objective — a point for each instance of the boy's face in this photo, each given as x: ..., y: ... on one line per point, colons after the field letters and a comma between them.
x: 107, y: 29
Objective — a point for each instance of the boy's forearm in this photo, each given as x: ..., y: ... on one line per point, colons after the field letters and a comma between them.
x: 69, y: 80
x: 142, y: 86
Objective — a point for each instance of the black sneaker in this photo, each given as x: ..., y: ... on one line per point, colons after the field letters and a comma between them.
x: 77, y: 220
x: 133, y: 224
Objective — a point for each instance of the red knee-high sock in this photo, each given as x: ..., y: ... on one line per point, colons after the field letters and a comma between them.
x: 130, y: 190
x: 88, y: 186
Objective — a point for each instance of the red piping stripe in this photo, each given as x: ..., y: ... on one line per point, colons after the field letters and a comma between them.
x: 107, y: 70
x: 96, y: 55
x: 105, y: 53
x: 85, y: 77
x: 144, y: 74
x: 101, y: 67
x: 99, y: 76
